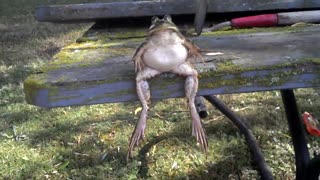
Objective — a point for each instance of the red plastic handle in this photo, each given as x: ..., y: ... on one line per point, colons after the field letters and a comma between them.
x: 256, y: 21
x: 311, y: 126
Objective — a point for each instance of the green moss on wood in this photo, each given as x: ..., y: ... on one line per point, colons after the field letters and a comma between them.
x: 110, y: 44
x: 117, y: 34
x: 234, y: 31
x: 32, y: 85
x: 238, y: 80
x: 73, y: 57
x: 229, y: 67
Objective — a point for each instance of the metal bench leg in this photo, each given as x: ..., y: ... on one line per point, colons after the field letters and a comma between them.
x: 297, y: 133
x: 252, y: 143
x: 201, y: 107
x: 313, y: 171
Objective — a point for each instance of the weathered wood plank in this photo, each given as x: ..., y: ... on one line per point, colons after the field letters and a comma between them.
x: 95, y: 72
x: 97, y: 11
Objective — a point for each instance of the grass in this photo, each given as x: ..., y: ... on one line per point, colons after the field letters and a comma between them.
x: 90, y: 142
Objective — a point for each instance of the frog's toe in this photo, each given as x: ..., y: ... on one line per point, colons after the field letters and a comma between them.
x: 136, y: 138
x: 199, y: 133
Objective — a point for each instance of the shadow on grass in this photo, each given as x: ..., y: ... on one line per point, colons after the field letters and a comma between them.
x: 31, y: 171
x: 63, y: 136
x: 65, y: 132
x: 207, y: 171
x: 67, y: 129
x: 14, y: 77
x: 17, y: 115
x: 144, y: 169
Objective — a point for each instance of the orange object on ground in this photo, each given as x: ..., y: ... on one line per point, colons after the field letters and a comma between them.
x: 312, y: 124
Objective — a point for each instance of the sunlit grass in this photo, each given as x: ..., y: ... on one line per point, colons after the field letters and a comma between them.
x: 90, y: 142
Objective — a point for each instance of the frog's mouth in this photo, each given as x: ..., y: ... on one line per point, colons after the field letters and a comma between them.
x: 162, y: 28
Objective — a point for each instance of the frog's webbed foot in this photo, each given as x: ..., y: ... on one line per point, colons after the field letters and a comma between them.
x: 138, y: 133
x: 191, y: 88
x: 138, y: 64
x: 144, y: 96
x: 198, y: 131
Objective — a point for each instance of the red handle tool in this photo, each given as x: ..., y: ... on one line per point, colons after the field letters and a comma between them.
x: 267, y: 20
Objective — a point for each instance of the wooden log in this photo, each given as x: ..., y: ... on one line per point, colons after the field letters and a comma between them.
x: 98, y: 11
x: 93, y: 72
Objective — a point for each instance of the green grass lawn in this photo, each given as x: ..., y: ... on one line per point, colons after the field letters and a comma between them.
x: 90, y: 142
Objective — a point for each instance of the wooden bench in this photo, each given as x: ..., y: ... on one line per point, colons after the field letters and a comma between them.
x: 97, y: 69
x: 133, y: 8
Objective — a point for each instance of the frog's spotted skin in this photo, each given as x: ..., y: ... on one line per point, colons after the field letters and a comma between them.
x: 166, y: 50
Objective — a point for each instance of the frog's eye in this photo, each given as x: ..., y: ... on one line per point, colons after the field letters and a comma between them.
x: 167, y: 18
x: 154, y: 19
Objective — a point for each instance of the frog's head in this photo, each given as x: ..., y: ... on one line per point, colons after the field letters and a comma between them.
x: 162, y: 24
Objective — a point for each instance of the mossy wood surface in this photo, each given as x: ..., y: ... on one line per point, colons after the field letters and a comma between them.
x: 97, y: 68
x: 119, y: 9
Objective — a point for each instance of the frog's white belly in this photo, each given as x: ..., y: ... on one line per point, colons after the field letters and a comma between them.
x: 166, y: 57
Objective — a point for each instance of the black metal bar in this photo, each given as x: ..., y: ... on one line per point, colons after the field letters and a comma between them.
x: 201, y: 11
x: 252, y: 143
x: 201, y: 106
x: 297, y: 133
x: 313, y: 171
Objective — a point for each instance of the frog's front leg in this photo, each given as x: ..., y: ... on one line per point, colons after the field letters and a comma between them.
x: 143, y: 92
x: 191, y: 88
x: 194, y: 51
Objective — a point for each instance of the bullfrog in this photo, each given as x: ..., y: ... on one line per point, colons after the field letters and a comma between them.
x: 166, y: 50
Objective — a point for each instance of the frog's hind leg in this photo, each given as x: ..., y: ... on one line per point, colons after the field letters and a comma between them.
x: 143, y: 92
x: 191, y: 88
